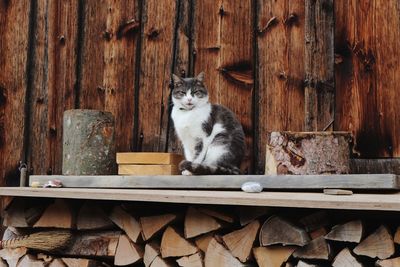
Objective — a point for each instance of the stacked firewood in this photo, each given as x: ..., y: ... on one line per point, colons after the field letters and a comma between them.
x: 155, y: 235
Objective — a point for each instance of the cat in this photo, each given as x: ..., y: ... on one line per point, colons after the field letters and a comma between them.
x: 213, y: 139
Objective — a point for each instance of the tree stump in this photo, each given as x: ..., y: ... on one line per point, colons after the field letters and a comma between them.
x: 308, y: 153
x: 88, y: 142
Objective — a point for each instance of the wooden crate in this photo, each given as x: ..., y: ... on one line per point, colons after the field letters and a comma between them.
x: 131, y: 169
x: 148, y: 163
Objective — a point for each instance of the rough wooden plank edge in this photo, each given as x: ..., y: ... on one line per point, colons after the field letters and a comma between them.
x: 375, y: 165
x: 389, y: 202
x: 295, y: 182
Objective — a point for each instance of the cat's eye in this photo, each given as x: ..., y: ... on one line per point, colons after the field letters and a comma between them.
x: 179, y: 93
x: 198, y: 94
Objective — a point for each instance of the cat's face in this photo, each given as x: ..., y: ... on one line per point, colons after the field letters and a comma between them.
x: 189, y: 93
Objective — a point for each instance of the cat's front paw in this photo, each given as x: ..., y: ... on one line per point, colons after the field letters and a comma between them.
x: 184, y: 165
x: 186, y: 173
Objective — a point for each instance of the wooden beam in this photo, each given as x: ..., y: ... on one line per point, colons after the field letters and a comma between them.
x: 375, y: 165
x: 388, y: 201
x: 296, y: 182
x: 319, y: 65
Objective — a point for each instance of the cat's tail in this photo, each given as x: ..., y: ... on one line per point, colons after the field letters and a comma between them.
x: 188, y: 167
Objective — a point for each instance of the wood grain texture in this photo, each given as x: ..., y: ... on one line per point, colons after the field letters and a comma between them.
x: 268, y: 182
x: 14, y: 32
x: 280, y: 97
x: 183, y: 59
x: 108, y: 62
x: 319, y: 65
x: 377, y: 202
x: 223, y: 44
x: 155, y: 72
x: 366, y: 41
x: 54, y: 77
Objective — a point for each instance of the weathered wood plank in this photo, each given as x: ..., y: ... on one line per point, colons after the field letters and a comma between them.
x: 268, y: 182
x: 223, y: 43
x: 155, y: 72
x: 54, y: 78
x: 375, y: 166
x: 377, y: 202
x: 280, y: 97
x: 366, y: 40
x: 319, y: 65
x: 107, y: 77
x: 182, y: 60
x: 14, y: 45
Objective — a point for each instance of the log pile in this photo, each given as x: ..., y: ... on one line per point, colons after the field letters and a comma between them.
x: 92, y: 233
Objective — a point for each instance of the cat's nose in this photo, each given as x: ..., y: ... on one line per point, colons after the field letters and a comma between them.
x: 189, y: 100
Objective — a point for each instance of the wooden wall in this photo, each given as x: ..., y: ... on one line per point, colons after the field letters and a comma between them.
x: 118, y: 55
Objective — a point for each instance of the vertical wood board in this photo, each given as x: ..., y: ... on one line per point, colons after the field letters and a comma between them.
x: 14, y: 47
x: 223, y: 43
x: 159, y: 21
x: 111, y: 32
x: 54, y: 78
x: 280, y: 97
x: 367, y: 75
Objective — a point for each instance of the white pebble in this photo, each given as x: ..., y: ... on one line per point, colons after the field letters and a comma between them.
x: 252, y: 187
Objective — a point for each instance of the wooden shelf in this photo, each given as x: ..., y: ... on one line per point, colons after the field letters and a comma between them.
x: 388, y: 202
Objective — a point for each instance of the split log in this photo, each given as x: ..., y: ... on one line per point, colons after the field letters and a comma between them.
x: 127, y: 252
x: 151, y: 251
x: 249, y: 214
x: 73, y: 262
x: 276, y: 230
x: 12, y: 255
x: 203, y: 241
x: 305, y: 264
x: 126, y: 222
x: 151, y: 225
x: 174, y: 245
x: 93, y: 244
x: 44, y: 257
x: 197, y: 223
x: 317, y: 249
x: 31, y: 261
x: 160, y: 262
x: 88, y: 143
x: 195, y: 260
x: 273, y: 256
x: 58, y: 215
x: 57, y: 263
x: 395, y: 262
x: 14, y: 214
x: 241, y: 242
x: 378, y: 244
x: 318, y: 233
x: 315, y: 221
x: 218, y: 256
x: 397, y: 236
x: 307, y: 153
x: 348, y: 232
x: 345, y: 259
x: 217, y: 214
x: 92, y: 216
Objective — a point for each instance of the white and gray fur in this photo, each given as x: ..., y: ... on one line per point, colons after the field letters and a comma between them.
x: 212, y: 137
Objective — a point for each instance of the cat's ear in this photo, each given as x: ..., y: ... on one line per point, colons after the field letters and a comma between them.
x: 200, y: 77
x: 176, y: 79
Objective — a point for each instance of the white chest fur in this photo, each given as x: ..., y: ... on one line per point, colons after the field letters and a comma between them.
x: 188, y: 126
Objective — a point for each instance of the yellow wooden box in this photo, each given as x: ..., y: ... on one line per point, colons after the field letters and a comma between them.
x: 150, y: 158
x: 130, y: 169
